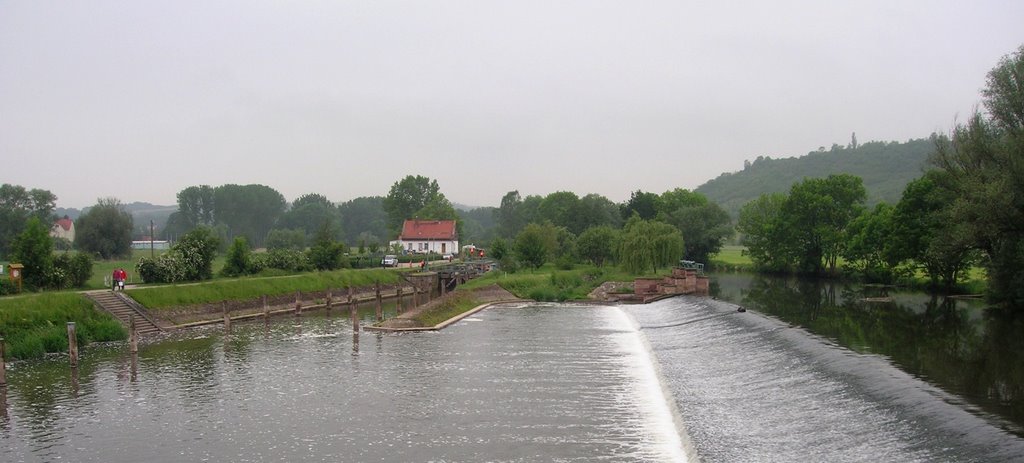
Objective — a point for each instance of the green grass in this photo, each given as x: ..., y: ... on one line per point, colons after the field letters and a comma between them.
x: 160, y: 297
x: 104, y: 268
x: 550, y: 284
x: 35, y: 324
x: 731, y: 257
x: 456, y: 303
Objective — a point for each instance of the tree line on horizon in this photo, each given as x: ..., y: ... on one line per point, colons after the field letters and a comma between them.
x: 967, y: 209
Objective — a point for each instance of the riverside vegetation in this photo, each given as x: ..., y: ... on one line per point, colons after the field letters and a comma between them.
x: 34, y: 324
x: 963, y: 214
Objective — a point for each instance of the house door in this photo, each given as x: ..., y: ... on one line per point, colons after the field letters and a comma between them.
x: 443, y: 247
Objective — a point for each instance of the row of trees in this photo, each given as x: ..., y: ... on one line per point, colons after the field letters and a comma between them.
x: 702, y: 223
x: 968, y: 210
x: 648, y: 232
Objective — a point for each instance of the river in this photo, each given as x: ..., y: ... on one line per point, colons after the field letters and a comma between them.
x: 680, y: 379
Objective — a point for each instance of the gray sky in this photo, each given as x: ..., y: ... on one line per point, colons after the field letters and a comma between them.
x: 140, y: 99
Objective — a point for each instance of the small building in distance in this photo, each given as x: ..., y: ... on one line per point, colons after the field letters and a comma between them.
x: 63, y: 228
x: 425, y: 236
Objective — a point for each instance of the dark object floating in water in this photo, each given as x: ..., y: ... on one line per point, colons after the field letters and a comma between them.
x: 741, y: 309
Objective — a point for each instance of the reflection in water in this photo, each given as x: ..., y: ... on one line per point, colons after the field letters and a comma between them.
x: 4, y: 421
x: 517, y: 385
x: 956, y: 344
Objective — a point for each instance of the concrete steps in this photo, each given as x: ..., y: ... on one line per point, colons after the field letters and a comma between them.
x: 118, y: 305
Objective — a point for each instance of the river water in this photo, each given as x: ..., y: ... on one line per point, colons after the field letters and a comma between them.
x: 677, y: 380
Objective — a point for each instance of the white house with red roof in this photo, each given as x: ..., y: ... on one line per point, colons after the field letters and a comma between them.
x: 423, y: 236
x: 63, y: 228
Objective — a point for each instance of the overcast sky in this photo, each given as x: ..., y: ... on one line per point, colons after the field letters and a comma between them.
x: 140, y: 99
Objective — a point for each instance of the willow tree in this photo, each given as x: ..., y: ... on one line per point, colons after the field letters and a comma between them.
x: 649, y: 244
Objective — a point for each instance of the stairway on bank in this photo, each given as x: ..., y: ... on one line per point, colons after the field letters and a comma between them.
x: 124, y: 308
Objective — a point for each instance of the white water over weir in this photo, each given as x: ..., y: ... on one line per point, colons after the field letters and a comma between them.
x: 678, y: 380
x: 751, y: 388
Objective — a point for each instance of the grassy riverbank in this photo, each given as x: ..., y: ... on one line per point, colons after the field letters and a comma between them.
x: 456, y: 303
x: 159, y: 297
x: 551, y: 284
x: 35, y: 324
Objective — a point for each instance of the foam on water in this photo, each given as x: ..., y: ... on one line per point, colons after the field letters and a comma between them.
x: 751, y: 388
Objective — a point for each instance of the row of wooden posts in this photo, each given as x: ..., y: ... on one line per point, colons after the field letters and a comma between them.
x: 133, y: 334
x: 351, y: 302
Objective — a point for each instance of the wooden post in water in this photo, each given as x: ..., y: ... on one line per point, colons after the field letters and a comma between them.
x: 298, y: 304
x: 399, y: 297
x: 3, y: 367
x: 352, y: 311
x: 266, y: 308
x: 133, y: 336
x: 380, y: 307
x: 227, y: 317
x: 328, y: 301
x: 72, y: 345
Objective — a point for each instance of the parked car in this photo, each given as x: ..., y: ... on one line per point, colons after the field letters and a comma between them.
x: 389, y: 260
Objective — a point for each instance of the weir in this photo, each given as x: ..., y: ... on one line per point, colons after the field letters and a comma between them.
x: 752, y: 388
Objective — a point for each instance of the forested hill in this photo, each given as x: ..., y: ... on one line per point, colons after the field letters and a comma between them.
x: 885, y: 167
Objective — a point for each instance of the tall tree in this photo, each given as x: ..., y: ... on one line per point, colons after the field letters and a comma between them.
x: 925, y: 231
x: 509, y: 215
x: 311, y: 212
x: 868, y: 245
x: 642, y: 204
x: 818, y: 212
x: 532, y: 246
x: 596, y: 210
x: 196, y: 206
x: 248, y: 210
x: 597, y: 244
x: 364, y: 215
x: 561, y: 208
x: 985, y: 158
x: 17, y: 205
x: 763, y: 233
x: 407, y: 197
x: 33, y: 248
x: 105, y: 230
x: 704, y: 224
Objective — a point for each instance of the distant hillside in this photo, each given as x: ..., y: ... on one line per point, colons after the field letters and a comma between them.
x: 886, y: 168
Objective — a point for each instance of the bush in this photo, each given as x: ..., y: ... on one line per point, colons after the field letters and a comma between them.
x: 7, y: 287
x: 190, y: 259
x: 237, y: 262
x: 327, y: 256
x: 287, y: 259
x: 70, y: 271
x: 286, y: 239
x: 80, y: 270
x: 508, y: 264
